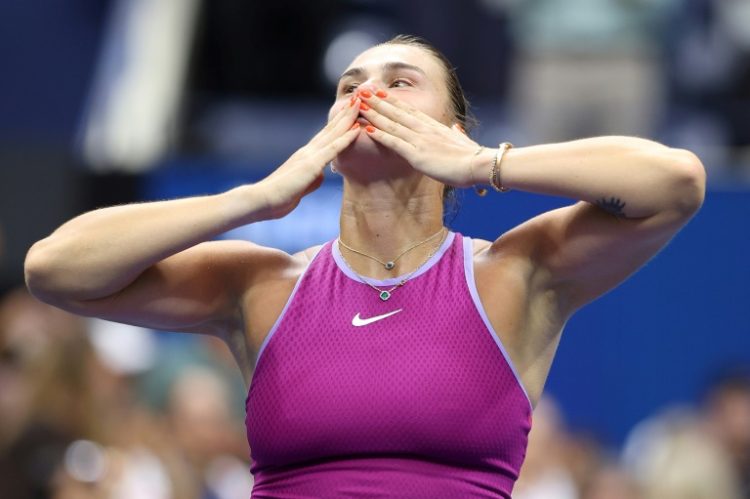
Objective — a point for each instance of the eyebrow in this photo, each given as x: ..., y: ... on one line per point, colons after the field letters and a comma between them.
x: 388, y: 67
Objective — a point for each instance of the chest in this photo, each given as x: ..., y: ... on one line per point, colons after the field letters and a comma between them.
x: 422, y: 380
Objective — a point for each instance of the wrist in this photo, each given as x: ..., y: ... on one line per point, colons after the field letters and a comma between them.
x: 496, y: 180
x: 482, y: 166
x: 243, y: 205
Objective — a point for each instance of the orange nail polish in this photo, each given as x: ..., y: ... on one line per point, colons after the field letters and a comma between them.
x: 366, y: 94
x: 382, y: 94
x: 351, y: 101
x: 354, y: 126
x: 370, y: 129
x: 364, y: 107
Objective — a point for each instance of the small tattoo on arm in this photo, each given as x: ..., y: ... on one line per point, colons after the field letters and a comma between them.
x: 613, y: 206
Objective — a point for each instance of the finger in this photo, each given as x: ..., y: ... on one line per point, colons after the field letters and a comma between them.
x: 403, y: 148
x: 341, y: 121
x: 397, y: 110
x: 388, y: 125
x: 327, y: 153
x: 347, y: 120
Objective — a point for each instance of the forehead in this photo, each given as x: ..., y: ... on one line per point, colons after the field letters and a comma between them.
x: 379, y: 55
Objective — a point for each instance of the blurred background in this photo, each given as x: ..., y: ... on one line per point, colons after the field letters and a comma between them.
x: 114, y: 101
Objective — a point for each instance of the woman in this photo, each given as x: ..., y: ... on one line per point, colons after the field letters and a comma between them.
x: 402, y: 359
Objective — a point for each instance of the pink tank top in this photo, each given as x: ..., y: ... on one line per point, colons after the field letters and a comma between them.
x: 353, y: 396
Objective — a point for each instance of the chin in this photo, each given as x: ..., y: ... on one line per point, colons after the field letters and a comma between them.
x: 365, y: 153
x: 364, y: 149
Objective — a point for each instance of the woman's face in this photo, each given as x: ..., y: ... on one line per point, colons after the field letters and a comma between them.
x: 409, y: 73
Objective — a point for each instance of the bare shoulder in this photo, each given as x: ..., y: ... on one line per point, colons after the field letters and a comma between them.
x: 255, y: 267
x: 305, y: 256
x: 513, y: 247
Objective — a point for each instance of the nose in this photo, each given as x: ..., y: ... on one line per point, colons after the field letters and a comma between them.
x: 371, y: 85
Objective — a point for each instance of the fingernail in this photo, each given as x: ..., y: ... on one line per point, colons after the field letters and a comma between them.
x: 365, y: 93
x: 352, y: 101
x: 354, y: 126
x: 370, y: 129
x: 382, y: 94
x: 364, y: 107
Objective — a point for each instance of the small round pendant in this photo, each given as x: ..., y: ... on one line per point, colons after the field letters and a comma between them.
x: 389, y: 265
x: 384, y: 295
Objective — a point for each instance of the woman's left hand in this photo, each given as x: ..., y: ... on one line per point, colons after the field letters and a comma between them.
x: 441, y: 152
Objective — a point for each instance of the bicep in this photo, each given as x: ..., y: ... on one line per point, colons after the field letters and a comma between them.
x: 586, y: 251
x: 196, y: 290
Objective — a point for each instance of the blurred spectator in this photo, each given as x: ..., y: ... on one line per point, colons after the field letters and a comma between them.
x: 71, y: 424
x: 561, y: 464
x: 611, y: 481
x: 43, y: 356
x: 727, y: 413
x: 545, y: 474
x: 587, y: 67
x: 674, y: 457
x: 200, y: 418
x: 710, y: 79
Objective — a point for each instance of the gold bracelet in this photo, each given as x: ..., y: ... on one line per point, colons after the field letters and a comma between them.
x: 495, y: 171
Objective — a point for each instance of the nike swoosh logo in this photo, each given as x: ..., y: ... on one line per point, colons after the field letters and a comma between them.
x: 358, y: 321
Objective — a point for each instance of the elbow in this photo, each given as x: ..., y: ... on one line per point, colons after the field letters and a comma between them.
x: 689, y: 182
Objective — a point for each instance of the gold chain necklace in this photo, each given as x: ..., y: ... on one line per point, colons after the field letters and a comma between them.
x: 390, y: 264
x: 385, y: 294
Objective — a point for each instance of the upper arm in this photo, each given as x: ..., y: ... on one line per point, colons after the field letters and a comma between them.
x: 196, y: 290
x: 582, y: 251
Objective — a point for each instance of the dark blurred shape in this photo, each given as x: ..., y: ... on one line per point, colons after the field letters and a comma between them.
x: 272, y: 49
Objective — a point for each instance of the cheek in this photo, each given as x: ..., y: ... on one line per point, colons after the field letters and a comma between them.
x: 438, y: 111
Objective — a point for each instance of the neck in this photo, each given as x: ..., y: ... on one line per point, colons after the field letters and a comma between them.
x: 383, y: 218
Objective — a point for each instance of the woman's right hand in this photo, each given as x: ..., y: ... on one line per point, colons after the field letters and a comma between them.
x: 302, y: 173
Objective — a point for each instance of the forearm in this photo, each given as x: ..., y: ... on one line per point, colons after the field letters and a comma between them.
x: 628, y: 176
x: 100, y: 252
